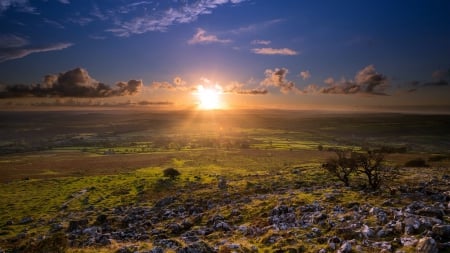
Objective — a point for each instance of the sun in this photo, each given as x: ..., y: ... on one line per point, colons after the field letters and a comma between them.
x: 209, y: 98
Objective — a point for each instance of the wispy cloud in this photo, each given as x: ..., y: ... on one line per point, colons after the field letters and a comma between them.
x: 19, y: 5
x: 256, y: 27
x: 14, y: 47
x: 64, y: 1
x: 202, y: 38
x: 261, y: 42
x: 274, y: 51
x: 160, y: 21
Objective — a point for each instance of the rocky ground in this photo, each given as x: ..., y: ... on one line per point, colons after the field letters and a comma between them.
x: 257, y: 218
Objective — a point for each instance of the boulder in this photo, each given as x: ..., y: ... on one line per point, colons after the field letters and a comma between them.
x: 427, y: 245
x: 441, y: 232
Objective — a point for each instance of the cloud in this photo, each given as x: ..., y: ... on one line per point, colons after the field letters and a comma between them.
x: 160, y: 21
x: 277, y: 78
x: 178, y: 84
x: 64, y: 1
x: 237, y: 88
x: 15, y: 47
x: 256, y: 27
x: 367, y: 81
x: 12, y: 41
x: 274, y: 51
x: 202, y: 38
x: 441, y: 74
x: 19, y: 5
x: 73, y: 83
x: 440, y: 78
x: 305, y: 75
x: 261, y: 42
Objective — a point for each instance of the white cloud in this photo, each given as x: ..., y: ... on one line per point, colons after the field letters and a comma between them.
x: 305, y: 75
x: 274, y: 51
x: 202, y: 38
x: 160, y: 21
x: 64, y: 1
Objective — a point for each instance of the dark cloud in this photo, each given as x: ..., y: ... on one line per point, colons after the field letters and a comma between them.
x: 277, y: 78
x: 367, y: 81
x: 73, y: 83
x: 440, y: 78
x: 237, y: 88
x: 146, y: 102
x: 15, y: 47
x: 256, y: 91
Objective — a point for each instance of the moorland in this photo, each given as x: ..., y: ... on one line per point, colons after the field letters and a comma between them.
x: 249, y: 181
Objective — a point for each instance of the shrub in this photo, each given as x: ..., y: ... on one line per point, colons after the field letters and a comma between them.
x: 171, y: 173
x: 57, y: 243
x: 418, y: 162
x: 437, y: 158
x: 342, y: 166
x: 371, y: 164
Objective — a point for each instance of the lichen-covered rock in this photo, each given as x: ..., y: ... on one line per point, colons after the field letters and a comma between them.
x: 427, y: 245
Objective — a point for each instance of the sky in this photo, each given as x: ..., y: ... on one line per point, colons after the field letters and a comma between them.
x: 255, y: 53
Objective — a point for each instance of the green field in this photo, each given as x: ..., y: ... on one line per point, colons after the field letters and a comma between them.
x: 63, y: 166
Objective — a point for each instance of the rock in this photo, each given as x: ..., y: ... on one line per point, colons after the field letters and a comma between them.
x: 408, y: 241
x: 431, y: 212
x: 197, y: 247
x: 383, y: 245
x: 367, y: 232
x: 427, y: 245
x: 221, y: 225
x: 168, y: 243
x: 156, y: 250
x: 175, y: 228
x: 127, y: 249
x: 346, y: 247
x: 333, y: 242
x: 441, y: 232
x: 165, y: 202
x: 26, y: 220
x: 384, y: 232
x: 411, y: 225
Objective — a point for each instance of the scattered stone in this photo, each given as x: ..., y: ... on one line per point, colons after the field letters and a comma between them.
x: 346, y: 247
x: 442, y: 232
x: 427, y: 245
x: 408, y: 241
x: 26, y: 220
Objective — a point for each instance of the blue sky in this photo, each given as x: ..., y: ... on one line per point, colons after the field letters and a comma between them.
x: 273, y: 53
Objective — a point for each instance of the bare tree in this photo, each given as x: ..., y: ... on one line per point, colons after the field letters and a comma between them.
x: 372, y: 165
x: 343, y: 166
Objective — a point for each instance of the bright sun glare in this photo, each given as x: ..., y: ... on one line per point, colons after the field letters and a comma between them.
x: 209, y: 98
